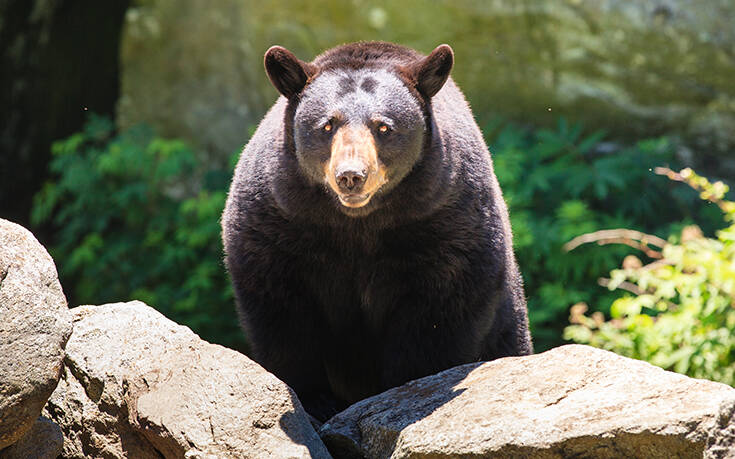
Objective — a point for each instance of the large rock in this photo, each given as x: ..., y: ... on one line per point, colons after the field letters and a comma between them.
x: 35, y: 325
x: 138, y: 385
x: 636, y: 69
x: 572, y: 401
x: 190, y: 69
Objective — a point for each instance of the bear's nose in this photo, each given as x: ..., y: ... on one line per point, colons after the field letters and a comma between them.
x: 350, y: 180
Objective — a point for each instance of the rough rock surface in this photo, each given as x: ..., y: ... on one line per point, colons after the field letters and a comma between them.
x: 35, y: 325
x: 138, y: 385
x: 43, y: 441
x: 572, y: 401
x: 187, y: 65
x: 635, y: 69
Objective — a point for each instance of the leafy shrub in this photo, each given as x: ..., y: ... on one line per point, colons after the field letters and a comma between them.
x: 562, y: 183
x: 678, y: 311
x: 137, y: 217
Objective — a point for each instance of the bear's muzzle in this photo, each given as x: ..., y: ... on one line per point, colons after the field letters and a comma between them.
x: 354, y: 171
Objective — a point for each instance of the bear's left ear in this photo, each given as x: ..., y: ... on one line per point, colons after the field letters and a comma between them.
x: 288, y: 73
x: 432, y: 72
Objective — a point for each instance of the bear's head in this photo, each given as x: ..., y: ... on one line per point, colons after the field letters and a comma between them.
x: 360, y: 115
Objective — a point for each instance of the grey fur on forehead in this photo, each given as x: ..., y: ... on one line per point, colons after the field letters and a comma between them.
x: 357, y: 95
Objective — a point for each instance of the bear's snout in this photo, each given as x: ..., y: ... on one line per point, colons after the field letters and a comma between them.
x: 354, y: 172
x: 350, y: 178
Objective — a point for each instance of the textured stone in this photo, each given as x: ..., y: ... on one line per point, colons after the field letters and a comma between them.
x: 43, y: 441
x: 190, y: 70
x: 572, y: 401
x: 635, y: 69
x: 35, y: 325
x: 138, y: 385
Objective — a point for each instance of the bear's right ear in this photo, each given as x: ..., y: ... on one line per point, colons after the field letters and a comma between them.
x: 287, y: 73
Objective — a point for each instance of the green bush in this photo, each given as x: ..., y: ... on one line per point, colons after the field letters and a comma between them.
x: 677, y: 312
x: 561, y: 183
x: 137, y: 217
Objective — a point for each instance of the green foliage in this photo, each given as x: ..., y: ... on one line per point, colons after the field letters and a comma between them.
x: 137, y: 217
x: 679, y: 312
x: 561, y: 183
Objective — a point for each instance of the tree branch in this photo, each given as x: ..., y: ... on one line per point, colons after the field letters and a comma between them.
x: 632, y: 238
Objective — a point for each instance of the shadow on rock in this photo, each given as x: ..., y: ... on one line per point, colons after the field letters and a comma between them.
x: 571, y: 401
x: 397, y: 408
x: 301, y: 433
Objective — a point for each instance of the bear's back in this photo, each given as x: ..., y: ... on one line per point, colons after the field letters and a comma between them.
x: 360, y: 55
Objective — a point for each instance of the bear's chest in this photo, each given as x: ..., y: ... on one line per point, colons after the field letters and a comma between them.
x: 357, y: 279
x: 342, y: 277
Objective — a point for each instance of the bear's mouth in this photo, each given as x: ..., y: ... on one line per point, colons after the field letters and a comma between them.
x: 354, y: 199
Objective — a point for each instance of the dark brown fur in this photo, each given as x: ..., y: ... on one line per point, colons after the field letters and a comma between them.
x: 343, y: 303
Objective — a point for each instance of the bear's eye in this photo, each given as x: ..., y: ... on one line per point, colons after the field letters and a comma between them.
x: 328, y: 127
x: 383, y: 129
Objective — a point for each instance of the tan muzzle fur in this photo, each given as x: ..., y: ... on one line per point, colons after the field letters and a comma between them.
x: 354, y: 148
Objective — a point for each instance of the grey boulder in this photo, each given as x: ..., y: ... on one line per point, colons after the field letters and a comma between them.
x: 634, y: 69
x: 35, y: 325
x: 572, y: 401
x: 138, y: 385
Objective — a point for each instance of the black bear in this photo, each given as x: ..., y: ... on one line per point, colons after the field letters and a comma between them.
x: 365, y: 233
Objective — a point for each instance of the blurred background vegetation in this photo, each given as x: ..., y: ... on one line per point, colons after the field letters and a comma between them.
x: 122, y: 121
